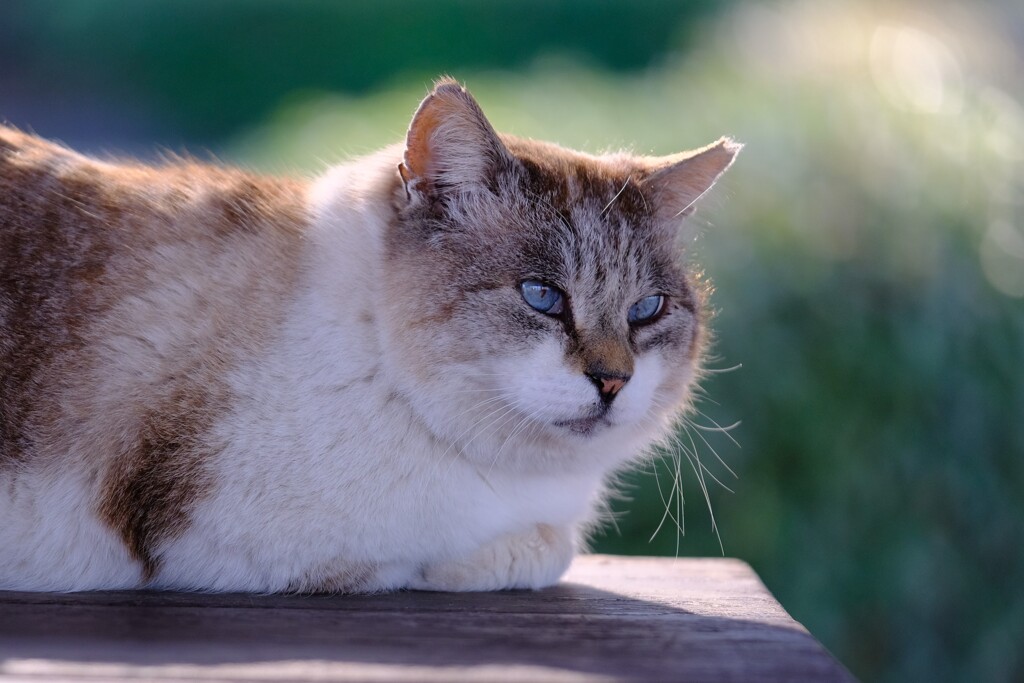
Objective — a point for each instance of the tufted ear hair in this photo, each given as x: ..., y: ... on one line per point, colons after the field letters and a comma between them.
x: 450, y: 144
x: 676, y: 182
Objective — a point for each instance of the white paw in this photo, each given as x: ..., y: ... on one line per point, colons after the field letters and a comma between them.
x: 534, y: 559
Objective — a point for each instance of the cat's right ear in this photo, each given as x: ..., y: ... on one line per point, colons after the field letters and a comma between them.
x: 450, y: 144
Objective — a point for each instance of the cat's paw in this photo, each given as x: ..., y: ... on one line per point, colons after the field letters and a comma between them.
x: 534, y: 559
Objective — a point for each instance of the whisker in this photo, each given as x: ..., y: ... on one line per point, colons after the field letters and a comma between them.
x: 720, y: 428
x: 723, y: 430
x: 712, y: 448
x: 503, y: 413
x: 681, y: 528
x: 473, y: 426
x: 515, y: 430
x: 716, y: 371
x: 486, y: 401
x: 703, y: 466
x: 668, y: 508
x: 471, y: 391
x: 505, y: 416
x: 694, y: 201
x: 707, y: 497
x: 617, y: 194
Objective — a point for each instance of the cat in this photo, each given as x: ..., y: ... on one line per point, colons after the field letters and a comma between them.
x: 417, y: 371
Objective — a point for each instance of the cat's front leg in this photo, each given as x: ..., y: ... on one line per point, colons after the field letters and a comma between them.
x: 533, y: 559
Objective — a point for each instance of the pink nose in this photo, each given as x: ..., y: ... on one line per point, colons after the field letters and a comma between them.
x: 608, y: 385
x: 612, y: 385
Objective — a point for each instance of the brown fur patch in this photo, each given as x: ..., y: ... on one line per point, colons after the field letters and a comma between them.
x: 159, y: 477
x: 50, y: 263
x: 127, y: 293
x: 607, y: 356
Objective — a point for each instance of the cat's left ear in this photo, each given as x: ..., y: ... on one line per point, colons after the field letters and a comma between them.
x: 450, y: 144
x: 678, y: 181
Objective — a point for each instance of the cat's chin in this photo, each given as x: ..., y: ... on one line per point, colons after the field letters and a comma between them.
x: 585, y: 426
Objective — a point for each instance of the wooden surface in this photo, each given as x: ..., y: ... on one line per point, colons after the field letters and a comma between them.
x: 611, y: 619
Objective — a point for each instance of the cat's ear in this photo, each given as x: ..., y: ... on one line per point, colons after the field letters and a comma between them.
x: 450, y: 143
x: 676, y: 182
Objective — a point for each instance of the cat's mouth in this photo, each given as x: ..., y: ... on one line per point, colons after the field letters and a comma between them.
x: 585, y: 426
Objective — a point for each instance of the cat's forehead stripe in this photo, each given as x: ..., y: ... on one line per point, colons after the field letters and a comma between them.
x: 567, y: 178
x: 604, y: 223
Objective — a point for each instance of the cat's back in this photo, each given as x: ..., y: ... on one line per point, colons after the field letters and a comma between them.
x: 62, y: 209
x: 128, y: 295
x: 124, y: 278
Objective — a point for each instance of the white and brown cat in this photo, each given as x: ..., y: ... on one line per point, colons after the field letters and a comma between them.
x: 416, y: 371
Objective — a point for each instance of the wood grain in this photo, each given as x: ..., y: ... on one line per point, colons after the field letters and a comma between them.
x: 612, y: 619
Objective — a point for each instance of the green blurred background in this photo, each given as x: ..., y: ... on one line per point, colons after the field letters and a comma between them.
x: 867, y: 249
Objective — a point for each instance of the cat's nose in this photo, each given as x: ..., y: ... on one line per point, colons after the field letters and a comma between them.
x: 608, y: 386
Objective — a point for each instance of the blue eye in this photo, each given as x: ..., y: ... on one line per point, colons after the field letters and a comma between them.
x: 543, y: 297
x: 646, y: 310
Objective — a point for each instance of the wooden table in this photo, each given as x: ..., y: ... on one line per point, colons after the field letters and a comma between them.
x: 613, y: 618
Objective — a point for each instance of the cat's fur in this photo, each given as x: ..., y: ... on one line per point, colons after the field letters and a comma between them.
x: 218, y: 381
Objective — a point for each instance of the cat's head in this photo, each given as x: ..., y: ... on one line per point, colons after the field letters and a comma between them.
x: 538, y: 299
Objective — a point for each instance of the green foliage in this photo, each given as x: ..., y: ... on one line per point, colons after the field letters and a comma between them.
x: 211, y: 66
